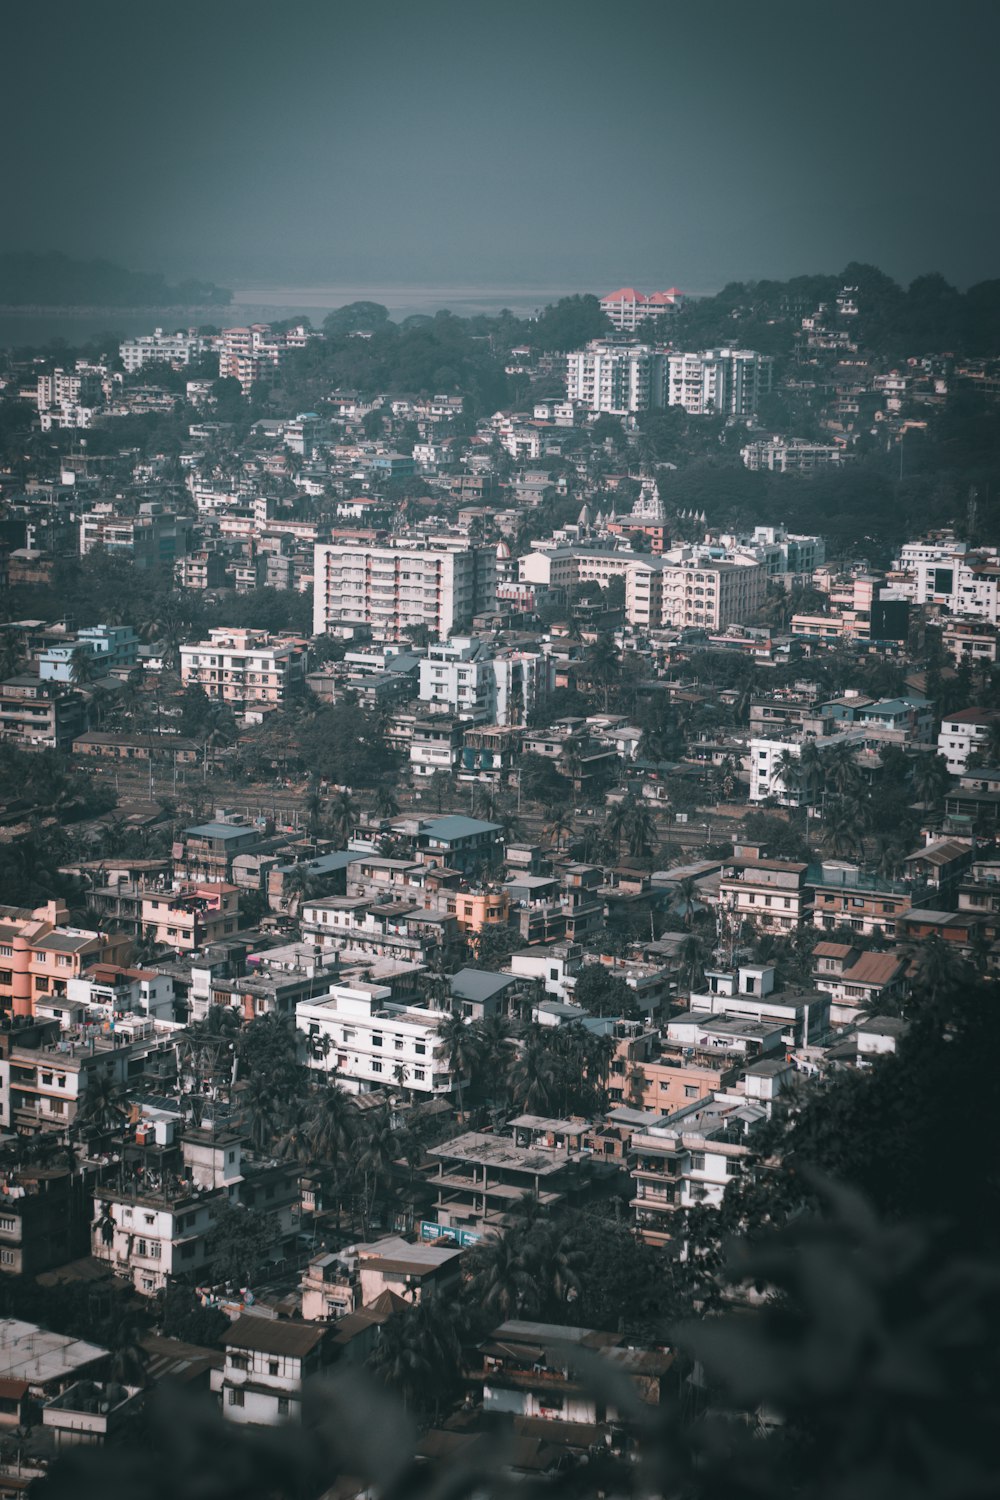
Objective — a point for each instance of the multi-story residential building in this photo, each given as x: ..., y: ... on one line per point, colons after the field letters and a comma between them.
x: 365, y: 927
x: 390, y: 587
x: 192, y: 915
x: 267, y: 1362
x: 480, y: 1176
x: 69, y: 398
x: 845, y: 896
x: 771, y: 894
x: 249, y: 670
x: 782, y: 455
x: 748, y: 994
x: 942, y: 570
x: 112, y: 647
x: 162, y: 348
x: 661, y: 594
x: 207, y: 851
x: 719, y: 382
x: 252, y: 354
x: 962, y: 732
x: 971, y: 641
x: 627, y: 309
x: 857, y: 981
x: 43, y: 1220
x: 464, y: 675
x: 40, y: 953
x: 152, y: 541
x: 373, y: 1043
x: 40, y: 714
x: 618, y: 378
x: 50, y: 1071
x: 688, y: 1160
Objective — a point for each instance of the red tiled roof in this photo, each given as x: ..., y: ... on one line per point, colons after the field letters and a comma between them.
x: 875, y: 968
x: 624, y: 294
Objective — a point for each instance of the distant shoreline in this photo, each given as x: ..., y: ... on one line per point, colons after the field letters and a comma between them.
x: 102, y: 310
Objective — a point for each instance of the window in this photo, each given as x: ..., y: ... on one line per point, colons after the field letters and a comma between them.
x: 282, y: 1406
x: 420, y: 1048
x: 140, y: 1247
x: 690, y: 1091
x: 376, y: 1039
x: 697, y: 1161
x: 419, y: 1074
x: 272, y: 1367
x: 7, y: 1257
x: 149, y: 1218
x: 732, y: 1167
x: 239, y: 1361
x: 8, y: 1223
x: 235, y: 1397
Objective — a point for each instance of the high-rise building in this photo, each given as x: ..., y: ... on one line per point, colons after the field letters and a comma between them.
x: 391, y: 586
x: 719, y: 382
x: 162, y: 348
x: 702, y: 595
x: 617, y: 378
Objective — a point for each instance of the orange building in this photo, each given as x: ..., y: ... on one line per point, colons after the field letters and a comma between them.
x: 192, y: 915
x: 40, y: 953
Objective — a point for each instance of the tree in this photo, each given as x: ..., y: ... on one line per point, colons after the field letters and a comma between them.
x: 385, y: 803
x: 103, y: 1106
x: 239, y: 1243
x: 501, y: 1280
x: 462, y: 1048
x: 602, y: 992
x: 82, y: 669
x: 560, y: 825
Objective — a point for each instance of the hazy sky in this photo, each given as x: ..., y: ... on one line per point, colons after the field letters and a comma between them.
x: 558, y: 142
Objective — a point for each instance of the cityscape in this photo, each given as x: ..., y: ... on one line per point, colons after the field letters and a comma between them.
x: 499, y: 847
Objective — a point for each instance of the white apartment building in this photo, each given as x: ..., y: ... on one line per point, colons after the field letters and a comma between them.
x: 660, y: 594
x: 162, y: 348
x: 267, y: 1361
x: 246, y: 669
x: 462, y: 676
x: 793, y: 455
x: 719, y: 382
x: 69, y: 398
x: 373, y: 1043
x: 961, y: 734
x: 391, y: 586
x: 626, y: 309
x: 616, y: 378
x: 247, y: 354
x: 689, y: 1160
x: 151, y: 1233
x: 564, y: 567
x: 943, y: 571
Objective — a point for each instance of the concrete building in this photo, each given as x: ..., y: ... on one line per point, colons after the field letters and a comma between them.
x: 267, y: 1362
x: 36, y: 714
x: 249, y: 670
x: 465, y: 677
x: 618, y: 378
x: 780, y: 455
x: 162, y: 348
x: 661, y: 594
x: 111, y: 647
x: 719, y: 382
x: 626, y: 310
x: 942, y: 570
x: 373, y: 1043
x: 388, y: 587
x: 962, y: 732
x: 771, y: 894
x: 688, y: 1161
x: 40, y: 953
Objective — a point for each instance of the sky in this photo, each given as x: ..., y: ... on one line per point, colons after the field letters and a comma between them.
x: 556, y: 143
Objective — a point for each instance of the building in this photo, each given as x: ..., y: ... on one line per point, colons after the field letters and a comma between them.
x: 152, y: 541
x: 162, y: 348
x: 192, y: 915
x: 941, y: 570
x: 38, y: 714
x: 856, y: 981
x: 253, y: 353
x: 40, y: 953
x: 845, y: 896
x: 965, y: 731
x: 780, y: 455
x: 627, y: 309
x: 267, y: 1362
x: 660, y: 594
x: 388, y: 588
x: 249, y: 670
x: 373, y: 1043
x: 534, y: 1372
x: 771, y: 894
x: 719, y: 382
x: 618, y: 378
x: 111, y: 648
x: 207, y: 851
x: 465, y: 677
x: 480, y: 1176
x: 43, y: 1220
x: 688, y: 1161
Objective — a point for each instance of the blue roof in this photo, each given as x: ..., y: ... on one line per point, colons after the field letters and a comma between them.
x: 457, y: 827
x: 221, y: 830
x: 325, y: 864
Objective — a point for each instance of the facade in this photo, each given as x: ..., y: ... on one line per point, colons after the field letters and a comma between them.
x: 40, y: 714
x: 463, y: 676
x: 246, y: 669
x: 719, y: 382
x: 941, y: 570
x: 688, y: 1160
x: 963, y: 732
x: 373, y: 1043
x: 162, y: 348
x: 660, y: 594
x: 192, y: 915
x: 781, y: 455
x: 769, y: 893
x: 627, y: 309
x: 267, y: 1362
x: 845, y: 896
x: 390, y: 587
x: 112, y: 647
x: 618, y: 378
x: 40, y: 953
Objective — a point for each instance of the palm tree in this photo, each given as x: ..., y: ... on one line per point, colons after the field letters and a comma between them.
x: 789, y: 769
x: 602, y: 664
x: 641, y: 830
x: 11, y: 654
x: 462, y: 1046
x: 561, y: 825
x: 260, y: 1110
x: 691, y: 954
x: 104, y: 1106
x: 930, y: 778
x: 616, y: 821
x: 343, y: 814
x: 378, y: 1145
x: 81, y: 666
x: 501, y: 1281
x: 332, y: 1127
x: 841, y: 771
x: 844, y: 823
x: 686, y: 892
x: 532, y: 1079
x: 385, y: 804
x: 298, y: 887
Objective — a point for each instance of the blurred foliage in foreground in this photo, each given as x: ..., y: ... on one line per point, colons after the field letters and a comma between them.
x: 868, y: 1368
